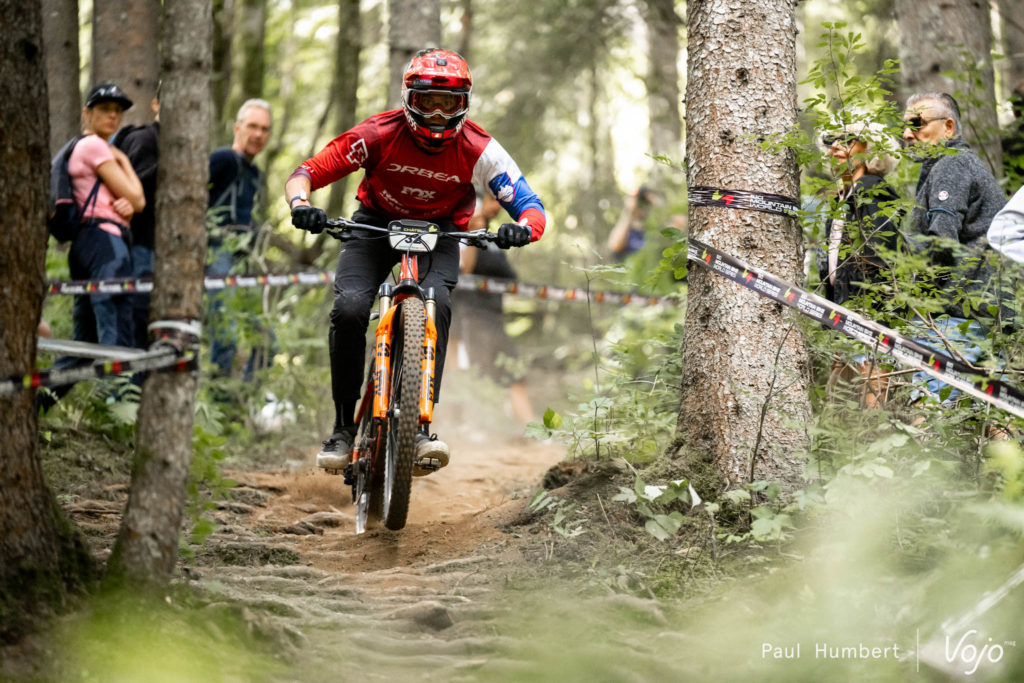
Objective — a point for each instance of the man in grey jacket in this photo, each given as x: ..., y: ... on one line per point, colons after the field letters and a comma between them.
x: 956, y: 199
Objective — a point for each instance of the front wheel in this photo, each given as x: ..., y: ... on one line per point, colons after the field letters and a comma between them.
x: 403, y: 416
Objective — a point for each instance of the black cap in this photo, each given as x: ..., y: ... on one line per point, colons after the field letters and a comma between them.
x: 107, y: 92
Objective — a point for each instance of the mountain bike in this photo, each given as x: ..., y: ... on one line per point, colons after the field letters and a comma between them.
x: 398, y: 399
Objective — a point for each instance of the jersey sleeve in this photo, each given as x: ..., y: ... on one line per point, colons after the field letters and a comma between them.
x: 341, y: 156
x: 498, y: 172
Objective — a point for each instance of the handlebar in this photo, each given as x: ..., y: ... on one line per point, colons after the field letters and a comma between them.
x: 341, y: 229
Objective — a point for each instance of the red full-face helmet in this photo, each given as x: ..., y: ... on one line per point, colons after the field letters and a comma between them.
x: 435, y: 95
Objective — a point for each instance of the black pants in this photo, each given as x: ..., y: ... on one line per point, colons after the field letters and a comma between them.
x: 363, y: 264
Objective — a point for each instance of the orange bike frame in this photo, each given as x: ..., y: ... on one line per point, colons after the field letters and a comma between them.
x: 385, y: 335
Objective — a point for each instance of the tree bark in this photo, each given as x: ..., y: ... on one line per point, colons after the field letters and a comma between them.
x: 124, y: 50
x: 413, y: 25
x: 346, y: 85
x: 1011, y: 13
x: 744, y: 363
x: 60, y: 39
x: 934, y: 37
x: 248, y: 64
x: 220, y: 76
x: 663, y: 82
x: 42, y: 559
x: 466, y: 29
x: 147, y: 543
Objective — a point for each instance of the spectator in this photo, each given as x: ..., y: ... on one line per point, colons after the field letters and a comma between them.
x: 140, y: 145
x: 482, y: 321
x: 865, y: 223
x: 868, y: 221
x: 955, y: 201
x: 235, y: 182
x: 1006, y: 233
x: 108, y: 193
x: 628, y: 235
x: 1013, y: 141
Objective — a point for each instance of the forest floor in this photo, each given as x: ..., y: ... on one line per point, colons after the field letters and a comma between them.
x: 475, y: 587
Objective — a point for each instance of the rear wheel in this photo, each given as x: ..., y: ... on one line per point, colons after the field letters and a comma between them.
x: 403, y: 416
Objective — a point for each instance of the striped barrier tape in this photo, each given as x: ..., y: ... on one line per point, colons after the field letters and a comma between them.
x: 766, y: 202
x: 466, y: 282
x: 175, y: 348
x: 978, y: 383
x: 165, y: 359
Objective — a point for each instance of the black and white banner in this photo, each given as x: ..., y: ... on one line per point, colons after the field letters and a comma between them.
x: 939, y: 364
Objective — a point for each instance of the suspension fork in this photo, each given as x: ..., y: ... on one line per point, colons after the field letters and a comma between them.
x: 429, y: 360
x: 382, y: 353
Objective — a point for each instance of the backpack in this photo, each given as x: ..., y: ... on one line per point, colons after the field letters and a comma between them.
x: 65, y: 217
x: 118, y: 138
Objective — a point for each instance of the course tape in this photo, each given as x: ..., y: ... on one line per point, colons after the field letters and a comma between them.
x: 467, y: 282
x: 938, y: 364
x: 144, y: 285
x: 164, y: 359
x: 702, y: 195
x: 175, y: 348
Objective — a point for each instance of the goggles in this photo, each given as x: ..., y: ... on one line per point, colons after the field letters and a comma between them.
x: 844, y: 139
x: 438, y: 102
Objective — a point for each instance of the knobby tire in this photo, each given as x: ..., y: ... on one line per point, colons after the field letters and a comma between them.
x: 400, y: 450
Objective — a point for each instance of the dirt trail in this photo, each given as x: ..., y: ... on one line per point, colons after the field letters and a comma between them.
x: 451, y: 513
x: 390, y: 605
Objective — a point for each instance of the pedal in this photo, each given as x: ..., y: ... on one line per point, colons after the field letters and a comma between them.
x: 426, y: 466
x: 350, y: 475
x: 332, y: 471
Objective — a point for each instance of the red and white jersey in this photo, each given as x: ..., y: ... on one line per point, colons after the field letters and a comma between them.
x: 404, y: 181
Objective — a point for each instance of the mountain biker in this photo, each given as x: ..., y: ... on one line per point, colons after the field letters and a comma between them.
x: 420, y: 162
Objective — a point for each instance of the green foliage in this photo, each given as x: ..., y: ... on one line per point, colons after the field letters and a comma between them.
x: 206, y: 484
x: 562, y: 521
x: 654, y: 502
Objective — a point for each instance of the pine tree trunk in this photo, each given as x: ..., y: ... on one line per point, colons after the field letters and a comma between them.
x: 663, y: 82
x: 247, y: 60
x: 124, y: 50
x: 147, y: 544
x: 1011, y: 13
x: 346, y: 85
x: 933, y: 38
x: 60, y: 38
x: 466, y: 29
x: 220, y: 76
x: 742, y: 354
x: 413, y: 26
x: 42, y: 559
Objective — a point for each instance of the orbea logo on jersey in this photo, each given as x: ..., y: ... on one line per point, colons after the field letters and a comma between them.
x: 424, y: 172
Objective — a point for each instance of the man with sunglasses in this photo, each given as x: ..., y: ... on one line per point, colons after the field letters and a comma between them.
x: 955, y: 201
x: 421, y: 161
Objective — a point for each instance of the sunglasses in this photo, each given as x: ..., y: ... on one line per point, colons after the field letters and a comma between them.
x: 844, y: 139
x: 917, y: 122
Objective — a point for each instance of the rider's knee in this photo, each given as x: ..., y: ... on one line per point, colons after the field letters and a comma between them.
x: 351, y: 309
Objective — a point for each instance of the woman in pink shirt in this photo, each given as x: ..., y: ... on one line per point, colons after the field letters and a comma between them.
x: 101, y: 249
